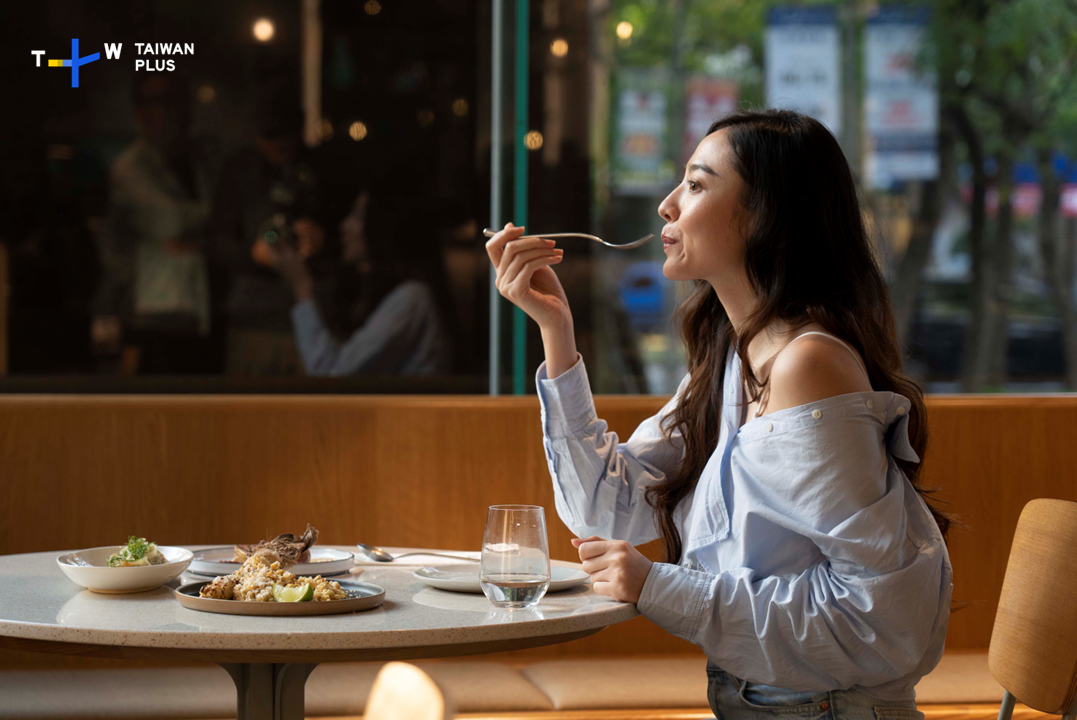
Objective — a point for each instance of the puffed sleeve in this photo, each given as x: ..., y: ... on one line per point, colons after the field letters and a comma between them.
x: 600, y: 482
x: 873, y: 604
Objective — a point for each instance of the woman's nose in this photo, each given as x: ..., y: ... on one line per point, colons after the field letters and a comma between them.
x: 668, y: 208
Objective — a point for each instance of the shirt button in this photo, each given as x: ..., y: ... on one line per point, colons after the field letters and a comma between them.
x: 824, y: 706
x: 901, y: 411
x: 816, y: 414
x: 870, y: 404
x: 770, y: 426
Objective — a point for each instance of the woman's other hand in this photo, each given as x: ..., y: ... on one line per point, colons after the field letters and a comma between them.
x: 617, y: 569
x: 525, y: 278
x: 292, y: 266
x: 309, y: 236
x: 262, y: 253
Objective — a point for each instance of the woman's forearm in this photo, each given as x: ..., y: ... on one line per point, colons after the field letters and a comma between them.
x: 560, y: 346
x: 303, y: 288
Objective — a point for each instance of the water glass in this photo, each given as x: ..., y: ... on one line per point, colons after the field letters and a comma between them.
x: 514, y: 569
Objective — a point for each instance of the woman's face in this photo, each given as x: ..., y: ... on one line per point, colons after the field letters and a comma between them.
x: 353, y: 231
x: 703, y: 236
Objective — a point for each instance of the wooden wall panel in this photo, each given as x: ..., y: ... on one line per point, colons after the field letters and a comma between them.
x: 989, y: 456
x: 79, y: 471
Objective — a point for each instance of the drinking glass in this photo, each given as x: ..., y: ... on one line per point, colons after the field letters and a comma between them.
x: 514, y: 570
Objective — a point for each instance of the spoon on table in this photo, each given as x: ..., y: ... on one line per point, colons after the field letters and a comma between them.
x: 378, y: 555
x: 627, y: 246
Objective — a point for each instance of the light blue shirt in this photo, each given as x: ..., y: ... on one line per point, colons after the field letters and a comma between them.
x: 403, y: 336
x: 810, y: 562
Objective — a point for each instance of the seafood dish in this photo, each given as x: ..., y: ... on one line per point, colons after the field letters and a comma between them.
x: 264, y: 575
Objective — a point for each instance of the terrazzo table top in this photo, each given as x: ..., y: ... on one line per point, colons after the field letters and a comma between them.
x: 38, y: 603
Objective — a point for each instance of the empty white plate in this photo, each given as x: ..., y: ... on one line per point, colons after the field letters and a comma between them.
x: 465, y: 577
x: 323, y: 561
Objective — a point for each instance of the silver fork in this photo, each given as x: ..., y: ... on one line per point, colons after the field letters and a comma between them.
x: 627, y: 246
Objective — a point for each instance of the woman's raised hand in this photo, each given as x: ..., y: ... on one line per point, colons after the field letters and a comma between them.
x: 525, y: 278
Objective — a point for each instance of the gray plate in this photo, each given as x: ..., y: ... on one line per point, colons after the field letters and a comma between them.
x: 361, y: 596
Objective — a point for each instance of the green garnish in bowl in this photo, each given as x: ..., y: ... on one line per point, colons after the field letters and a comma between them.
x: 137, y: 551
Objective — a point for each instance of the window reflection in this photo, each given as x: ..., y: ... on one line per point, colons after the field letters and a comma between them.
x: 292, y: 186
x: 294, y: 201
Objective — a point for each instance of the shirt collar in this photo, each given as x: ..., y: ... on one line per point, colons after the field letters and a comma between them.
x: 889, y: 409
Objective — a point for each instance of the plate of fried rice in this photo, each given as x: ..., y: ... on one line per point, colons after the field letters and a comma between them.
x: 256, y: 587
x: 263, y: 585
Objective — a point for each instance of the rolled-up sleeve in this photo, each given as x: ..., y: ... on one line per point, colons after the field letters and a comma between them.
x: 870, y: 609
x: 600, y: 482
x: 820, y: 629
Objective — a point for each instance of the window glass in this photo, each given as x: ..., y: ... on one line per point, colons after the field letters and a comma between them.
x: 289, y: 196
x: 957, y: 120
x: 280, y: 196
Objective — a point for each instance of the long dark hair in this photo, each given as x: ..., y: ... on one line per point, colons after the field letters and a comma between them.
x: 395, y: 254
x: 809, y: 260
x: 353, y: 291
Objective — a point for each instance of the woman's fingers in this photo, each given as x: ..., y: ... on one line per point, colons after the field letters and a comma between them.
x: 603, y: 588
x: 495, y: 246
x: 595, y: 567
x: 512, y: 270
x: 598, y: 572
x: 606, y: 582
x: 515, y: 248
x: 516, y: 290
x: 595, y: 548
x: 609, y: 581
x: 616, y: 568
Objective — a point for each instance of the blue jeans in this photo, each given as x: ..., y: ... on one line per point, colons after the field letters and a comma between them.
x: 734, y: 699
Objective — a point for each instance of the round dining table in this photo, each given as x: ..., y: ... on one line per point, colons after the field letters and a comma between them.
x: 270, y: 658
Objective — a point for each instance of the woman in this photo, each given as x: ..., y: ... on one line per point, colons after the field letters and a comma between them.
x: 782, y: 476
x: 377, y: 318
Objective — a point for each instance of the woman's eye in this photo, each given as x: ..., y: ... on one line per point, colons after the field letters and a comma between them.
x: 693, y: 185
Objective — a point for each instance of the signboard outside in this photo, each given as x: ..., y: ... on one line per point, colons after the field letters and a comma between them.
x: 803, y: 68
x: 706, y: 99
x: 639, y: 165
x: 902, y: 100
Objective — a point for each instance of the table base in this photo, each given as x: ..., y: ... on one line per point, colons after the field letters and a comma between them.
x: 270, y: 691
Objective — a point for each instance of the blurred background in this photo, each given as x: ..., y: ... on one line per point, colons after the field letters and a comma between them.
x: 289, y: 195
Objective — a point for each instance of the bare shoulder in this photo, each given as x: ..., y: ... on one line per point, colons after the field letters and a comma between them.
x: 811, y: 369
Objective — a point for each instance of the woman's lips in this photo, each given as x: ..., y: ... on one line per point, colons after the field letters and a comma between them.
x: 667, y: 241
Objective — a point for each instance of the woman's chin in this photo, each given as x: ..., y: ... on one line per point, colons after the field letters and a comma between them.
x: 672, y: 272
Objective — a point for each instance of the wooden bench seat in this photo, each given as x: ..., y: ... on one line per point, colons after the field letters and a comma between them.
x: 333, y: 689
x: 960, y: 688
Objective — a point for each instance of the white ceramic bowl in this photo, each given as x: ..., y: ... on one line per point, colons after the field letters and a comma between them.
x: 88, y: 568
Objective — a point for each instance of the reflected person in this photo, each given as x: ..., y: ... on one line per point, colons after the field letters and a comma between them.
x: 377, y: 319
x: 266, y: 187
x: 156, y: 234
x: 783, y: 477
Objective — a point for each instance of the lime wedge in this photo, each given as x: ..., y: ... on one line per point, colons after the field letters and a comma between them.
x: 303, y: 593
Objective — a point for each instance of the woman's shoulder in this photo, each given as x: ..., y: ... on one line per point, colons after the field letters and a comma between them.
x: 814, y: 368
x: 412, y: 293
